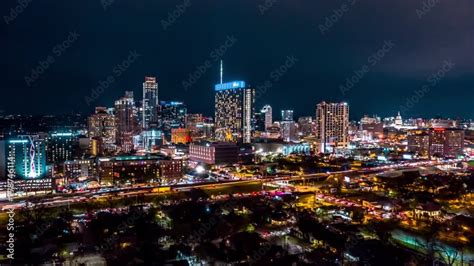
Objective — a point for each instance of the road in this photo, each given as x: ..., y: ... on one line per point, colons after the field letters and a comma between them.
x: 117, y: 193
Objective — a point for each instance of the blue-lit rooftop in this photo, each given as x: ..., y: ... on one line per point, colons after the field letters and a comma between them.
x: 230, y: 85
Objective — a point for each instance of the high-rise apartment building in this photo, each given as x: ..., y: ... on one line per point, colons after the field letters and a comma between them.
x: 259, y: 122
x: 332, y: 126
x: 419, y: 142
x: 454, y: 145
x: 446, y: 142
x: 150, y: 103
x: 267, y: 110
x: 371, y: 127
x: 59, y: 147
x: 234, y: 111
x: 305, y: 126
x: 287, y: 115
x: 288, y: 126
x: 172, y: 115
x: 126, y: 121
x: 289, y: 131
x: 102, y: 127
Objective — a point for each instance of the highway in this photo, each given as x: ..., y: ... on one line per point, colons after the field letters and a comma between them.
x: 118, y: 193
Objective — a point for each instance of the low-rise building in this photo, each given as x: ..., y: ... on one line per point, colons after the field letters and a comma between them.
x: 139, y: 169
x: 214, y: 153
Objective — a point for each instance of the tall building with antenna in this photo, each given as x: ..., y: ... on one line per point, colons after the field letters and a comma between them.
x: 222, y: 71
x: 234, y: 110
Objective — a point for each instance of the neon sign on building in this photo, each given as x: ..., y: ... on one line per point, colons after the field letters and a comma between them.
x: 26, y: 158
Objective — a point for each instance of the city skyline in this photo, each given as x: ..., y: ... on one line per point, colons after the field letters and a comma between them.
x: 250, y: 132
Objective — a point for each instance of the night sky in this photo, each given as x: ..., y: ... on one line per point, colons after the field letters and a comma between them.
x: 423, y: 42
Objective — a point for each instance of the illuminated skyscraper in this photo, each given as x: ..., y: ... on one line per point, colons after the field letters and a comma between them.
x: 150, y: 102
x: 419, y: 142
x: 305, y: 126
x: 332, y: 126
x: 288, y: 131
x: 234, y: 111
x: 287, y: 115
x: 172, y: 115
x: 102, y: 126
x: 193, y: 121
x: 454, y: 145
x: 287, y: 126
x: 259, y: 122
x: 267, y: 110
x: 59, y: 146
x: 126, y: 121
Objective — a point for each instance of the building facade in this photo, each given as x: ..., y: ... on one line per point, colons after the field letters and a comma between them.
x: 79, y: 169
x: 332, y: 126
x: 446, y: 142
x: 23, y: 157
x: 287, y: 115
x: 139, y: 169
x: 234, y: 112
x: 149, y: 102
x: 172, y: 115
x: 180, y: 136
x: 267, y: 110
x: 23, y: 161
x: 418, y: 142
x: 102, y: 126
x: 126, y: 121
x: 305, y: 126
x: 60, y: 147
x: 214, y: 153
x: 148, y: 140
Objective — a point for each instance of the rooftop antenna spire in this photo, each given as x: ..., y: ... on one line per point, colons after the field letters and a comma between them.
x: 222, y: 71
